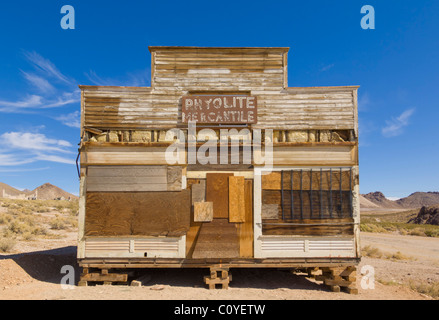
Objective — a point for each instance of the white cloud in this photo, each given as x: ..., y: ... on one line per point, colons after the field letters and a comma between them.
x: 33, y: 141
x: 29, y: 102
x: 27, y: 147
x: 13, y: 160
x: 54, y: 158
x: 395, y: 126
x: 72, y: 120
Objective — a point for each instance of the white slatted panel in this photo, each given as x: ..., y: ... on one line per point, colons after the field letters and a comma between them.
x: 337, y: 245
x: 294, y: 247
x: 283, y: 245
x: 135, y: 247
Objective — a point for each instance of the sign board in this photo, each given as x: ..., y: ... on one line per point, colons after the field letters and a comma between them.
x: 224, y: 109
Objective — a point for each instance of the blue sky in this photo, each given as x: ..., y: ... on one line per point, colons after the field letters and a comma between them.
x: 396, y: 66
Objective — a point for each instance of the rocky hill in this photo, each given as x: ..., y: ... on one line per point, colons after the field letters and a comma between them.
x: 419, y: 199
x: 415, y: 200
x: 380, y: 200
x: 366, y: 203
x: 427, y: 215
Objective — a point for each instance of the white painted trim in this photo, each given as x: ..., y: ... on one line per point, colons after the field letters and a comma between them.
x: 202, y: 174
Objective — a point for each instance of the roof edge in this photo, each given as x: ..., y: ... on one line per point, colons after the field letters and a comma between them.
x: 194, y: 48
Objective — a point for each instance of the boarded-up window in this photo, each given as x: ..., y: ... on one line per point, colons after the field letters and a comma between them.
x: 307, y: 194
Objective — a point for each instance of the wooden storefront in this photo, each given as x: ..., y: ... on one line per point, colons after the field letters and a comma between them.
x: 219, y: 164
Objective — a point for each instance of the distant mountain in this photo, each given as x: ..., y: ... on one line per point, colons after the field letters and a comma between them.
x: 46, y: 191
x: 419, y: 199
x: 380, y: 200
x: 415, y: 200
x: 7, y: 189
x: 366, y: 203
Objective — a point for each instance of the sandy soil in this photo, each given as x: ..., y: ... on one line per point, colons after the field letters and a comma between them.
x: 33, y: 272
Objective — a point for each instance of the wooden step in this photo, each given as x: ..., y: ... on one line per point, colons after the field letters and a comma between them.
x: 217, y: 239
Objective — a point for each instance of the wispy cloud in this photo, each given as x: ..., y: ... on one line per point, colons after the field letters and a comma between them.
x: 46, y: 66
x: 13, y: 160
x: 363, y: 101
x: 395, y: 126
x: 53, y: 89
x: 66, y: 99
x: 72, y: 120
x: 38, y: 82
x: 23, y: 170
x: 327, y: 67
x: 54, y: 158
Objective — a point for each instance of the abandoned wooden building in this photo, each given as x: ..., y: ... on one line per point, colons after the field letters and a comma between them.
x: 219, y: 164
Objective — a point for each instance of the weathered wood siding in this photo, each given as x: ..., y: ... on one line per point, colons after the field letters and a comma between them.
x: 214, y: 69
x: 129, y: 108
x: 261, y: 72
x: 133, y: 178
x: 307, y: 108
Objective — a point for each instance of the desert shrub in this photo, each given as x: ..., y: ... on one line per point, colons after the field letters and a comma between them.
x: 370, y: 227
x: 59, y: 223
x: 24, y: 227
x: 6, y: 244
x: 431, y: 290
x: 417, y: 232
x: 397, y: 256
x: 42, y: 209
x: 371, y: 252
x: 40, y: 231
x: 5, y: 218
x: 18, y: 227
x: 27, y: 236
x: 432, y: 233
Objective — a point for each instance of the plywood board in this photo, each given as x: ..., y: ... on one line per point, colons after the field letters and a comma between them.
x: 199, y: 191
x: 245, y: 230
x: 203, y: 211
x: 236, y: 199
x: 270, y: 211
x: 137, y: 213
x: 174, y: 178
x: 217, y: 191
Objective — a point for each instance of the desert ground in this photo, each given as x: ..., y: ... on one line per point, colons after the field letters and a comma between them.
x: 406, y: 268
